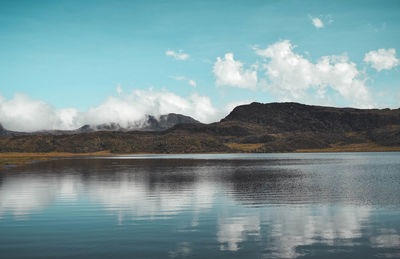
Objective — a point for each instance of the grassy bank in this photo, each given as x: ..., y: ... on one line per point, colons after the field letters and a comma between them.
x: 363, y: 147
x: 20, y: 158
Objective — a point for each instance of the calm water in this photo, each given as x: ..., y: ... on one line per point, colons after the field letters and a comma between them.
x: 203, y: 206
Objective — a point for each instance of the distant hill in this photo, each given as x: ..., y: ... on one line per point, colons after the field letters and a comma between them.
x: 7, y: 133
x: 150, y: 123
x: 283, y: 117
x: 168, y: 121
x: 256, y: 127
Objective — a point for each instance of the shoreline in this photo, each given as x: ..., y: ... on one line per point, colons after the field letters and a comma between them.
x: 21, y: 158
x: 363, y: 147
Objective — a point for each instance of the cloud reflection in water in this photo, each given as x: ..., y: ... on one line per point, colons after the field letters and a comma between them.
x: 233, y: 206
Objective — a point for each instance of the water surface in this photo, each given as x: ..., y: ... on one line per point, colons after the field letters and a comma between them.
x: 332, y: 205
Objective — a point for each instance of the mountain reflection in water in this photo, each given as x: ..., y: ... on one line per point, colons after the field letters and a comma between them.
x: 238, y: 206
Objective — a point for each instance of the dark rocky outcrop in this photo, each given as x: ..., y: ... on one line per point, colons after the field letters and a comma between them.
x: 167, y: 121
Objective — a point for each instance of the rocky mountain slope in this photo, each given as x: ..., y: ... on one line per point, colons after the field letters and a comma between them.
x: 283, y: 117
x: 256, y: 127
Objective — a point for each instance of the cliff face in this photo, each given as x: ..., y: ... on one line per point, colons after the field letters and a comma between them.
x: 273, y: 127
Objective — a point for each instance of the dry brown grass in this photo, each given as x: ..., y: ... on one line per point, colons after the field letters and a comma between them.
x: 363, y: 147
x: 19, y: 158
x: 353, y: 134
x: 244, y: 147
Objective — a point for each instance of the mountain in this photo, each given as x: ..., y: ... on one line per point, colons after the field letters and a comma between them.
x: 256, y: 127
x: 150, y: 123
x: 292, y: 126
x: 283, y: 117
x: 7, y: 133
x: 167, y: 121
x: 286, y: 127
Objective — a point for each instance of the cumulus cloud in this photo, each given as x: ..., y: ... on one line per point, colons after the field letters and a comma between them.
x: 230, y: 72
x: 293, y: 76
x: 382, y: 59
x: 177, y: 55
x: 22, y: 113
x: 191, y: 82
x: 317, y: 22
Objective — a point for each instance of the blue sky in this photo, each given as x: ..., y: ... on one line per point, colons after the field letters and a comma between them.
x: 75, y: 54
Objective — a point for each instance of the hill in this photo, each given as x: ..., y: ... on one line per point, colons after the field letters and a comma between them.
x: 256, y: 127
x: 149, y: 123
x: 283, y: 117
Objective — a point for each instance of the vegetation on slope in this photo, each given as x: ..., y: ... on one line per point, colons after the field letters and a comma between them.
x: 274, y: 127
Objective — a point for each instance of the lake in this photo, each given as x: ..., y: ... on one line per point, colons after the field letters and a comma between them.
x: 328, y: 205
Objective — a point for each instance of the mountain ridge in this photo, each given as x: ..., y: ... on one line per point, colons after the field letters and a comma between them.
x: 296, y: 116
x: 150, y: 123
x: 255, y: 127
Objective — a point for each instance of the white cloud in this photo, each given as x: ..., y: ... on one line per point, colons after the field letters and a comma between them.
x: 382, y: 59
x: 317, y: 22
x: 294, y: 77
x: 177, y: 55
x: 321, y: 21
x: 230, y: 72
x: 23, y: 113
x: 135, y: 105
x: 68, y: 119
x: 191, y: 82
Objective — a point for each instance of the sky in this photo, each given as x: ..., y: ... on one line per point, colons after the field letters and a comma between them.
x: 64, y: 64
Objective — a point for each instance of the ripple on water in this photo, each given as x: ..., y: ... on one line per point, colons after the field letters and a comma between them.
x: 233, y: 206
